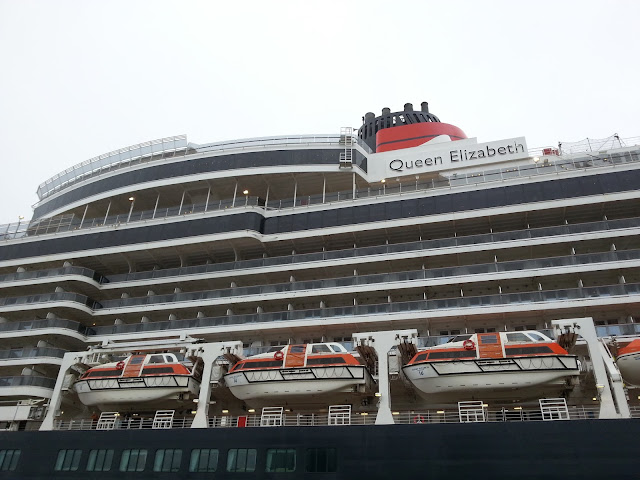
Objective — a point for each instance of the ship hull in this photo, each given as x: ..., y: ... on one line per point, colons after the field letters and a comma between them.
x: 501, y: 451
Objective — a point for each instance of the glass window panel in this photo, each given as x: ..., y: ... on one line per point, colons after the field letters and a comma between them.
x: 280, y: 460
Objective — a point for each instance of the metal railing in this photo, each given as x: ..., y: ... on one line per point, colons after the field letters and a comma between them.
x: 26, y: 352
x: 57, y: 323
x: 27, y: 381
x: 459, y: 303
x: 62, y: 224
x: 124, y: 157
x: 51, y: 272
x: 386, y: 278
x: 417, y: 417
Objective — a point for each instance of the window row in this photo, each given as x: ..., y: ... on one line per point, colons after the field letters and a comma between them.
x: 321, y: 460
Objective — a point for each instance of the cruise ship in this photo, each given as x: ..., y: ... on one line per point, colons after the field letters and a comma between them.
x: 397, y: 298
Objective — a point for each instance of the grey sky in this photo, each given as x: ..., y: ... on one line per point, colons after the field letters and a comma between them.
x: 81, y: 78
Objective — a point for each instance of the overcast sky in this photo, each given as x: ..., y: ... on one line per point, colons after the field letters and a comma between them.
x: 81, y: 78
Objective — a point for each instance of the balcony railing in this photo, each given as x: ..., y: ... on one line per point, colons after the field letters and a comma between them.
x: 430, y: 305
x: 27, y: 381
x: 386, y: 278
x: 551, y: 167
x: 17, y: 353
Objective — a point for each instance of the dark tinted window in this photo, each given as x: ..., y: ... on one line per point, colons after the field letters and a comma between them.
x: 203, y: 460
x: 9, y: 460
x: 68, y: 460
x: 99, y: 460
x: 321, y: 460
x: 280, y: 460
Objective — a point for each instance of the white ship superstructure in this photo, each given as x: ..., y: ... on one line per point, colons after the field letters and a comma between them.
x: 406, y: 225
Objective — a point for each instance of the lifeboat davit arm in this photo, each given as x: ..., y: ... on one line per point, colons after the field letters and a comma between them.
x: 613, y: 402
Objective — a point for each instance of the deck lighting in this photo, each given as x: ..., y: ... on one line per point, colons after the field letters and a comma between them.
x: 378, y: 394
x: 517, y: 408
x: 383, y: 180
x: 193, y: 412
x: 225, y: 411
x: 196, y: 400
x: 594, y: 399
x: 440, y: 411
x: 536, y: 159
x: 485, y: 405
x: 246, y: 192
x: 364, y: 414
x: 252, y: 410
x: 395, y: 413
x: 131, y: 199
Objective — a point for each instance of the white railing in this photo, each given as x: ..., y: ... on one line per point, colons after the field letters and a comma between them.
x: 291, y: 419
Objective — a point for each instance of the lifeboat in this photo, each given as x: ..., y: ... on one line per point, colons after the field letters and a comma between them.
x: 298, y: 372
x: 628, y: 362
x: 490, y: 365
x: 137, y: 379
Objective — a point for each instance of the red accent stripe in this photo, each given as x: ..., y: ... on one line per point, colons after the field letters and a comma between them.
x: 413, y: 135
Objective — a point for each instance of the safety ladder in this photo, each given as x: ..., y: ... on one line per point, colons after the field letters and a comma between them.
x: 472, y: 411
x: 554, y: 409
x: 163, y: 419
x: 346, y: 139
x: 340, y: 415
x: 271, y: 417
x: 107, y: 421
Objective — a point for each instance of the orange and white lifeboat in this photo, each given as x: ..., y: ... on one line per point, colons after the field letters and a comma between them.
x: 628, y: 362
x: 305, y: 370
x: 138, y: 379
x: 488, y: 363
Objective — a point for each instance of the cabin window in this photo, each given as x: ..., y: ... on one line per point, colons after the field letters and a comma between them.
x: 321, y: 349
x: 262, y: 364
x: 281, y: 460
x: 298, y: 348
x: 133, y: 460
x: 167, y: 460
x: 488, y: 339
x: 321, y: 460
x: 156, y: 359
x: 203, y: 460
x: 68, y: 460
x: 241, y: 460
x: 517, y: 337
x: 99, y: 460
x: 9, y: 460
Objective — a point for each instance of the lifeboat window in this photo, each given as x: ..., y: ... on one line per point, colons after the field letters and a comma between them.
x: 321, y: 460
x: 321, y: 349
x: 338, y: 348
x: 488, y: 339
x: 241, y: 460
x: 517, y: 337
x: 537, y: 337
x: 136, y: 360
x: 203, y: 460
x: 459, y: 338
x: 157, y: 370
x: 528, y: 350
x: 155, y: 359
x: 452, y: 354
x: 298, y: 348
x: 167, y: 460
x: 99, y: 460
x: 281, y: 460
x: 9, y: 460
x: 68, y: 460
x: 262, y: 364
x: 421, y: 357
x: 104, y: 373
x: 133, y: 460
x: 325, y: 361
